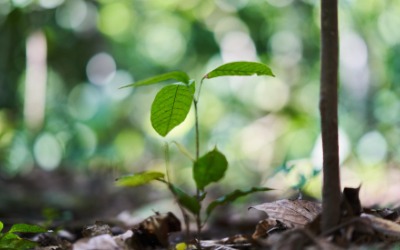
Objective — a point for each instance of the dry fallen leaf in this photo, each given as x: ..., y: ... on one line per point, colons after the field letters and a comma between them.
x: 384, y: 227
x: 266, y: 227
x: 103, y: 242
x: 296, y: 239
x: 235, y: 242
x: 293, y: 213
x: 153, y: 231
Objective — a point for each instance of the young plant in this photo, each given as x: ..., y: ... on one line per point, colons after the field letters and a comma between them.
x: 11, y: 240
x: 169, y: 109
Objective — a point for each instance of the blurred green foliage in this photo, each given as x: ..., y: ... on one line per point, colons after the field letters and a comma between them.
x: 62, y: 62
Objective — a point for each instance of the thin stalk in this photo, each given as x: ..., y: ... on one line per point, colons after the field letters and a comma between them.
x: 329, y: 114
x: 198, y: 215
x: 196, y: 114
x: 198, y: 192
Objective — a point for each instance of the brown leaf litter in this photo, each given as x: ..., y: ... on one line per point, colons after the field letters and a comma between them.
x: 289, y: 224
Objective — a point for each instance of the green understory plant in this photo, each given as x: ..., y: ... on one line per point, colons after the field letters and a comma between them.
x: 11, y: 240
x: 169, y: 109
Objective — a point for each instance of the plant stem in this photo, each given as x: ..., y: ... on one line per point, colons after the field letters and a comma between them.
x: 198, y: 194
x: 329, y: 114
x: 196, y: 114
x: 195, y: 101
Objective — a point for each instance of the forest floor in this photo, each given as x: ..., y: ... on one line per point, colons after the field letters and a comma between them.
x: 91, y: 213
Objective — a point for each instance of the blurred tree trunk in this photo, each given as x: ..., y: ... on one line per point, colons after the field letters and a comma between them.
x: 12, y: 61
x: 329, y: 114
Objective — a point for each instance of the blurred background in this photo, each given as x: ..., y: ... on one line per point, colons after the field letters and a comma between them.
x: 63, y: 118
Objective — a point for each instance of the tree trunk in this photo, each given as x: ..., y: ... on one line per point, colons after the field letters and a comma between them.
x: 329, y: 117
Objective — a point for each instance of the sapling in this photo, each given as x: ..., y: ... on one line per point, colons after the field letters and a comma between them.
x: 169, y: 109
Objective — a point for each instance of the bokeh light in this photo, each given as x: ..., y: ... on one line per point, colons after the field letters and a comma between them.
x: 84, y: 101
x: 50, y: 4
x: 77, y: 15
x: 280, y: 3
x: 286, y: 48
x: 47, y: 151
x: 372, y: 148
x: 115, y: 18
x: 101, y: 68
x: 164, y: 44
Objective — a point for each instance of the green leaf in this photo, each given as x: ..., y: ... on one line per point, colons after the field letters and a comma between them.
x: 170, y: 107
x: 232, y: 197
x: 185, y: 200
x: 179, y: 76
x: 240, y: 69
x: 209, y: 168
x: 12, y: 241
x: 139, y: 179
x: 26, y: 228
x: 1, y: 226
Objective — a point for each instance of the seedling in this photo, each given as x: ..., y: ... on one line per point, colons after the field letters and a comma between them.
x: 169, y: 109
x: 11, y: 240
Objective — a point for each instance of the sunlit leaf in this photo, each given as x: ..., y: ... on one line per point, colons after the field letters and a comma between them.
x: 240, y: 69
x: 181, y: 246
x: 139, y: 179
x: 13, y: 242
x: 233, y: 196
x: 185, y: 200
x: 178, y: 76
x: 209, y: 168
x: 9, y: 236
x: 26, y: 228
x: 170, y: 107
x: 1, y: 226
